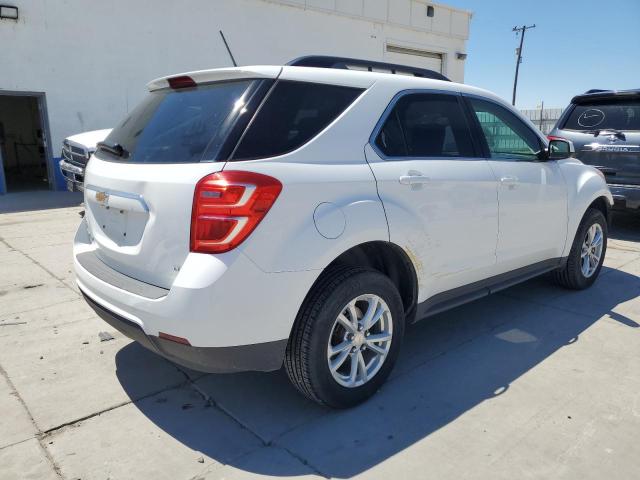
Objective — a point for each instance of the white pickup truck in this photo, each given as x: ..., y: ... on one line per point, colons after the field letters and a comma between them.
x: 76, y: 151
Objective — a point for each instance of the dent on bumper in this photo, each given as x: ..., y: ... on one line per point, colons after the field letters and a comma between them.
x: 263, y: 357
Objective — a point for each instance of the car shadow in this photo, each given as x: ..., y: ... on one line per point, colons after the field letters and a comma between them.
x: 625, y: 226
x: 450, y: 364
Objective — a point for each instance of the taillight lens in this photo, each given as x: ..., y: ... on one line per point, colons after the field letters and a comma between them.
x: 227, y: 207
x: 182, y: 81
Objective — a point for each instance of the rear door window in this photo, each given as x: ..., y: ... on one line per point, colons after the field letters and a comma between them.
x: 179, y: 126
x: 426, y: 125
x: 620, y: 114
x: 293, y: 113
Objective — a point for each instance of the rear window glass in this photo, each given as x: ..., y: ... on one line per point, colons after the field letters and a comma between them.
x: 293, y: 114
x: 179, y: 126
x: 623, y: 114
x: 426, y: 125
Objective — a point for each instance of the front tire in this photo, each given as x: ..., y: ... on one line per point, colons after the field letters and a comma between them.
x: 587, y: 253
x: 346, y: 338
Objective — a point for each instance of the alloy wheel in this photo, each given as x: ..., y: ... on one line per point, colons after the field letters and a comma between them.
x: 591, y: 250
x: 360, y: 340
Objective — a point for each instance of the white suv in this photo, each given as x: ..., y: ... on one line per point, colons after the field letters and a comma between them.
x: 246, y: 218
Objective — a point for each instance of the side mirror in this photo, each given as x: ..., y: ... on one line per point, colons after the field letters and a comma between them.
x: 560, y: 148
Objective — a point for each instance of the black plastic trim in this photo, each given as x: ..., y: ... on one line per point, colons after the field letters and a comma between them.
x: 467, y: 293
x: 123, y: 325
x: 261, y: 357
x: 342, y: 63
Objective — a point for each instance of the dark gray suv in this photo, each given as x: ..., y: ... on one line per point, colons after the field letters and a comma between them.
x: 604, y: 126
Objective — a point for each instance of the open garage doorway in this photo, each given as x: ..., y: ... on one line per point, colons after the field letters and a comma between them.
x: 24, y: 153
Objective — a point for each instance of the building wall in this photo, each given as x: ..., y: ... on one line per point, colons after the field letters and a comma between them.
x: 93, y: 59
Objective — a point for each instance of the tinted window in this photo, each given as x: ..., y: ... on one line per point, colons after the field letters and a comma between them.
x: 507, y: 136
x: 622, y: 114
x: 176, y: 126
x: 293, y: 114
x: 426, y: 125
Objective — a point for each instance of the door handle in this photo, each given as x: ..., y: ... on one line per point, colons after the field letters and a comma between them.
x: 509, y: 180
x: 413, y: 179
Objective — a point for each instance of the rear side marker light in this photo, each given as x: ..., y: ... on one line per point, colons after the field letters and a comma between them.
x: 173, y: 338
x: 182, y: 81
x: 227, y: 207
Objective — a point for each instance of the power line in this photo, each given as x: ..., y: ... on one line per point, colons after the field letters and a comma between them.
x: 522, y: 30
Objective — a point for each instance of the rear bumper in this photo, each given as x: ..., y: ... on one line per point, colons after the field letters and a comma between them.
x: 258, y: 357
x: 235, y: 316
x: 625, y: 197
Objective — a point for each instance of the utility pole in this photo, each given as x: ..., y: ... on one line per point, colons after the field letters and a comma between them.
x: 542, y: 116
x: 521, y: 30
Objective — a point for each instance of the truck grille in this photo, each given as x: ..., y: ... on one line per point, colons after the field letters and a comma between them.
x: 75, y: 155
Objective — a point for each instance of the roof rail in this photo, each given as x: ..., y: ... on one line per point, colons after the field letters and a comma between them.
x: 322, y: 61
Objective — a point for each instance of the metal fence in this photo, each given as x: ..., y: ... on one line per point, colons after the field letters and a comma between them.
x: 545, y: 119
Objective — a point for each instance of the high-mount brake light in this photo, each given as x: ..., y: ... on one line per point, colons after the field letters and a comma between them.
x: 227, y: 207
x: 182, y: 81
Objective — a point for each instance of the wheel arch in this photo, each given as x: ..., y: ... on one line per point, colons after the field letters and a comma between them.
x: 589, y: 191
x: 390, y: 260
x: 601, y: 203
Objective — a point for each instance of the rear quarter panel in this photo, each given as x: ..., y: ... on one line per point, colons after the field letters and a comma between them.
x: 331, y: 170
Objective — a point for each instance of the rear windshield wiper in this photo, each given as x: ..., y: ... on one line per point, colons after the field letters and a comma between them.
x: 608, y: 131
x: 116, y: 149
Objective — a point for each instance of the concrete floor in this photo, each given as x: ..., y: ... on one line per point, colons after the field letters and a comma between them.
x: 535, y: 382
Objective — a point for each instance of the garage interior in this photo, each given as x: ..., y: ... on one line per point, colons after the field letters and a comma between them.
x: 22, y: 147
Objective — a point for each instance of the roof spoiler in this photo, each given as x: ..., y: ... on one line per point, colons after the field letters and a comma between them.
x: 596, y: 94
x: 343, y: 63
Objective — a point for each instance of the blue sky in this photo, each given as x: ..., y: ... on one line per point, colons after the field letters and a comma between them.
x: 576, y: 45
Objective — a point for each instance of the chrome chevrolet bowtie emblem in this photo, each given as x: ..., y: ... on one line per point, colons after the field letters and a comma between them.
x: 102, y: 197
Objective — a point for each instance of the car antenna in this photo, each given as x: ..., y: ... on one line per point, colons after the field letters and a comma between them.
x: 233, y: 60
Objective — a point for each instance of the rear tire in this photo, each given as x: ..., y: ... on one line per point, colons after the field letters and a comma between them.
x: 327, y: 345
x: 579, y: 273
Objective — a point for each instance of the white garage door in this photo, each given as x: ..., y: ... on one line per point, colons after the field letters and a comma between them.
x: 414, y: 57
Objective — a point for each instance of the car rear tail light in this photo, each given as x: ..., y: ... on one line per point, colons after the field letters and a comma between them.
x: 227, y: 207
x: 553, y: 137
x: 182, y: 81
